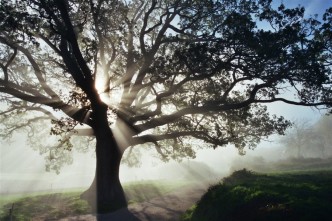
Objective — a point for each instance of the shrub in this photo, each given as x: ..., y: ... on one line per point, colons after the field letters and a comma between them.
x: 245, y: 195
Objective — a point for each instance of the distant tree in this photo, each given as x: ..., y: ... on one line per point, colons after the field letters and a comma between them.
x: 299, y: 138
x: 307, y: 140
x: 159, y: 72
x: 323, y: 128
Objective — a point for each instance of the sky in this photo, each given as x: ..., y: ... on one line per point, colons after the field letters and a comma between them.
x: 23, y: 169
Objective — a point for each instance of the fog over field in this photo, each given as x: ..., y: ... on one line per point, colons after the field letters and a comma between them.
x: 23, y: 169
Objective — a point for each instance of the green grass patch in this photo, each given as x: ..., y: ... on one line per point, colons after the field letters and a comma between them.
x: 281, y: 196
x: 46, y: 206
x: 53, y: 206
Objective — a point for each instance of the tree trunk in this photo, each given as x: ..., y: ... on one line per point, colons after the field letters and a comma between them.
x: 110, y: 195
x: 106, y: 193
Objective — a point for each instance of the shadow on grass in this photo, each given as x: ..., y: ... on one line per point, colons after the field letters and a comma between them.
x: 69, y: 206
x: 120, y: 215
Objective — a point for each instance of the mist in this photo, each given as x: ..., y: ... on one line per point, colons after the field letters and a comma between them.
x: 22, y: 168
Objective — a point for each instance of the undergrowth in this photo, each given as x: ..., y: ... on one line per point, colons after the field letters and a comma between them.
x: 246, y: 195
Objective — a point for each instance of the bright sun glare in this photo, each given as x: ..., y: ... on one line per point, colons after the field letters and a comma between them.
x: 112, y: 96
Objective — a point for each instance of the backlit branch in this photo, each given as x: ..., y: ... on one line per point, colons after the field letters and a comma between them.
x: 34, y: 64
x: 297, y: 103
x: 10, y: 129
x: 79, y: 114
x: 201, y: 135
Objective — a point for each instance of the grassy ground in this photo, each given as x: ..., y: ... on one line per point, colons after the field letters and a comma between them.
x: 53, y: 206
x: 281, y: 196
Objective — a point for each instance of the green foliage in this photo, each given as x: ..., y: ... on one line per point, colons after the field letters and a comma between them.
x: 187, y: 216
x: 249, y: 196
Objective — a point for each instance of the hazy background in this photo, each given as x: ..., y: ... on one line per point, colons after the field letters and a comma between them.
x: 23, y: 169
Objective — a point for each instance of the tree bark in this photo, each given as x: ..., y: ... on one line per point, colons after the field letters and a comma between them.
x: 110, y: 195
x: 106, y: 193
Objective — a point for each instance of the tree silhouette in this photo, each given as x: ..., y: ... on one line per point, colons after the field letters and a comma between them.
x: 159, y: 72
x: 307, y: 140
x: 299, y: 138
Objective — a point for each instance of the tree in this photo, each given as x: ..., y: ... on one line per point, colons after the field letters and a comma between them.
x: 306, y: 140
x: 323, y: 137
x: 299, y: 138
x: 159, y: 72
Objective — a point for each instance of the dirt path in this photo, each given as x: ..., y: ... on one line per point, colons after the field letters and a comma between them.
x: 166, y: 208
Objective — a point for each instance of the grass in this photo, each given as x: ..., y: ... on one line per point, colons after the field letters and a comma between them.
x: 245, y: 195
x: 54, y: 206
x: 143, y: 191
x: 40, y: 207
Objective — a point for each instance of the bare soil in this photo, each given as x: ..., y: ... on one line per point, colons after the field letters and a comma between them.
x: 164, y: 208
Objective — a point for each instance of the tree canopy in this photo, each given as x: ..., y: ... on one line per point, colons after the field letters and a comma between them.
x: 167, y: 71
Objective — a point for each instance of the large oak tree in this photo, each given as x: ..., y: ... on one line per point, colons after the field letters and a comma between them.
x: 162, y: 72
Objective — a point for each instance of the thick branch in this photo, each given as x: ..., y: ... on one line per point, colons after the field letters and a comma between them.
x: 145, y: 23
x: 210, y: 107
x: 72, y: 38
x: 79, y: 114
x: 297, y: 103
x: 195, y: 134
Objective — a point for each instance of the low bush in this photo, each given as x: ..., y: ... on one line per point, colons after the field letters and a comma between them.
x: 250, y: 196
